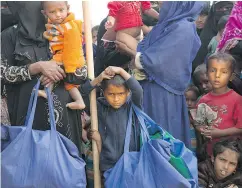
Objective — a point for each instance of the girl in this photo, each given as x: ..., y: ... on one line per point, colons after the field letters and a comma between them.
x: 192, y: 94
x: 223, y: 170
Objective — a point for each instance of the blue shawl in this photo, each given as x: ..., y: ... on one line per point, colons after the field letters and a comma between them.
x: 168, y: 50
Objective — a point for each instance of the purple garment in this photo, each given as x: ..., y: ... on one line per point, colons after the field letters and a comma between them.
x: 167, y: 53
x: 233, y: 29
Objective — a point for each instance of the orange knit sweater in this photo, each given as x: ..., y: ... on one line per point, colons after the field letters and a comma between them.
x: 66, y: 43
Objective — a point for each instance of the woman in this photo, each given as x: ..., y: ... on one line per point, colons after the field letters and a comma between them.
x: 26, y: 54
x: 210, y: 29
x: 167, y: 64
x: 202, y: 18
x: 231, y: 42
x: 107, y: 56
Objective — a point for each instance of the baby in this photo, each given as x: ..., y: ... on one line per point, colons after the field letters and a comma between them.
x: 65, y: 38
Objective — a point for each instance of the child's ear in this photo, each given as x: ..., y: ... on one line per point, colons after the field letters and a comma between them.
x: 68, y: 8
x: 232, y: 77
x: 44, y: 13
x: 128, y: 92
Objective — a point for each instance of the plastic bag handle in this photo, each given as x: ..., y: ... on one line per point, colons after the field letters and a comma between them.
x: 33, y: 93
x: 144, y: 131
x: 140, y: 113
x: 128, y: 131
x: 33, y: 103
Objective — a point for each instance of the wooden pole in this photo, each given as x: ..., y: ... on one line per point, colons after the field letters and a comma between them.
x: 93, y: 103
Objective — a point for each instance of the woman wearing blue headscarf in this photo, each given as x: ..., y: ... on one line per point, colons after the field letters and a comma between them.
x: 166, y: 56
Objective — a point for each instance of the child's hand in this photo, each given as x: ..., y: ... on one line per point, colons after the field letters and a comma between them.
x: 110, y: 22
x: 103, y: 76
x: 112, y: 70
x: 211, y: 132
x: 94, y: 134
x: 84, y: 135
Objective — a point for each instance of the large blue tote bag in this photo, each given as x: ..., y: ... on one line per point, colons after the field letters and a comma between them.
x: 162, y: 162
x: 39, y: 159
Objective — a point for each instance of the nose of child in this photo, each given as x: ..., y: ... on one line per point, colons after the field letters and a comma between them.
x: 57, y: 14
x: 116, y: 98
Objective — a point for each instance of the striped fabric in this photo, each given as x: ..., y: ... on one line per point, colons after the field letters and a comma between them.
x: 66, y: 43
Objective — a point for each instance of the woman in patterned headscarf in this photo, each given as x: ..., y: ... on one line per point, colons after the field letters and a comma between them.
x: 231, y: 42
x: 218, y: 9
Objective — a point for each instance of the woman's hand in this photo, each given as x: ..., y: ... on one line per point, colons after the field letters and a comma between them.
x: 45, y: 81
x: 123, y: 49
x: 51, y: 70
x: 110, y: 22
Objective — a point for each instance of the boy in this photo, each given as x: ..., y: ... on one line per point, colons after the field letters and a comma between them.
x: 120, y: 91
x: 223, y: 169
x: 64, y: 35
x: 200, y: 79
x: 226, y: 103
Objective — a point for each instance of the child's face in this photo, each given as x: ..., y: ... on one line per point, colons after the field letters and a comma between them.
x: 225, y: 163
x: 116, y: 95
x: 56, y: 11
x: 191, y: 99
x: 219, y: 74
x: 204, y: 85
x: 94, y: 37
x: 200, y: 21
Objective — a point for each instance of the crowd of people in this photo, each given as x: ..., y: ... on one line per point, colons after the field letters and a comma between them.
x: 180, y: 62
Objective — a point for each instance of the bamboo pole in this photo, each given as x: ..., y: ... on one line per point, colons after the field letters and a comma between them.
x: 93, y: 103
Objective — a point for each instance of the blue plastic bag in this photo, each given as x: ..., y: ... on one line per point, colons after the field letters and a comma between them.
x: 39, y: 159
x: 151, y: 167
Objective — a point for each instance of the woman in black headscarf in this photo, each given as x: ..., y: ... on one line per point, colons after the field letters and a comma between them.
x: 202, y: 18
x: 217, y: 10
x: 107, y: 56
x: 25, y: 54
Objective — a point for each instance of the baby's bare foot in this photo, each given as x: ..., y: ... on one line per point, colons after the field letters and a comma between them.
x: 41, y: 93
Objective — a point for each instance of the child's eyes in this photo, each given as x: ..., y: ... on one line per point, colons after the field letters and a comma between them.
x: 52, y: 12
x: 212, y: 70
x: 221, y: 159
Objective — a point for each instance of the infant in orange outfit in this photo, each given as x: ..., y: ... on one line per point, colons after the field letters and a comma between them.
x: 65, y: 38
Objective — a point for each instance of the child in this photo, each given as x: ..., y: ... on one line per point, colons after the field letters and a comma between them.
x: 192, y: 94
x: 212, y: 46
x: 125, y: 18
x: 120, y: 91
x: 200, y: 79
x: 223, y: 170
x: 225, y: 103
x: 64, y: 35
x: 94, y: 34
